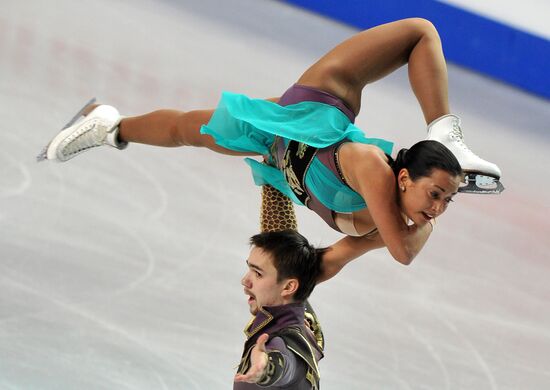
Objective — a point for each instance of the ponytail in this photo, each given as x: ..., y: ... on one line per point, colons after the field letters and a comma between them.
x: 423, y: 157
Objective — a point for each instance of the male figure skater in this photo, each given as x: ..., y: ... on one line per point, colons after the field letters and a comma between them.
x: 281, y: 349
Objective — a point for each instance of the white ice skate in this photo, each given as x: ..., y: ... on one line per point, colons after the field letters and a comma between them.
x: 480, y: 176
x: 83, y: 132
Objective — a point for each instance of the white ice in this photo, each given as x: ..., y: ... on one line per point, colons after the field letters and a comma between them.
x: 121, y: 270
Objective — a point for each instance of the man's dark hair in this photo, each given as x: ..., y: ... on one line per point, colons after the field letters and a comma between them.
x: 293, y: 257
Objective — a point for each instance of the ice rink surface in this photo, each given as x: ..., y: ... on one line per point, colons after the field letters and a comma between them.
x: 121, y: 270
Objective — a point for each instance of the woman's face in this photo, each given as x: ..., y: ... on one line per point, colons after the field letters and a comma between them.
x: 427, y: 197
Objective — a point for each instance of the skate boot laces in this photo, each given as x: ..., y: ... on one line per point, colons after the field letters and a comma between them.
x: 457, y: 136
x: 89, y: 135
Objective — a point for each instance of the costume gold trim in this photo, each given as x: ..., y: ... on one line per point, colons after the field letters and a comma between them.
x: 252, y: 332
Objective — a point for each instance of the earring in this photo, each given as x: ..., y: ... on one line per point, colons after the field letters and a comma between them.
x: 403, y: 188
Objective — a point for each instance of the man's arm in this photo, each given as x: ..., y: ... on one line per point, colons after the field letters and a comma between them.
x: 272, y: 364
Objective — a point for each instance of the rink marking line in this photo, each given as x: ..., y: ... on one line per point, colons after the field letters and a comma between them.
x: 433, y: 353
x: 485, y: 368
x: 223, y: 205
x: 151, y: 262
x: 384, y: 372
x: 394, y: 371
x: 104, y: 324
x: 162, y: 207
x: 23, y: 186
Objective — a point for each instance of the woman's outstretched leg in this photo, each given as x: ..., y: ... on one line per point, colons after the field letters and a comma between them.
x: 171, y: 128
x: 97, y: 125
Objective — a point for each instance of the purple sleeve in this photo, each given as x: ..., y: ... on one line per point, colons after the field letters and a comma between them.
x: 284, y: 367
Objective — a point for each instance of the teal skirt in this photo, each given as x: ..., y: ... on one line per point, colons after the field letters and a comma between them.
x: 243, y: 124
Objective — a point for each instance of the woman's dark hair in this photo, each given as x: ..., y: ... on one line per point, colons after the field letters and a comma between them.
x: 293, y: 257
x: 423, y: 157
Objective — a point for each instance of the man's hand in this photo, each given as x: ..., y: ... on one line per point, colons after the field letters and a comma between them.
x: 258, y: 362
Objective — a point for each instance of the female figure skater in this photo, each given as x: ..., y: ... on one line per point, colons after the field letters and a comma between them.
x: 312, y: 151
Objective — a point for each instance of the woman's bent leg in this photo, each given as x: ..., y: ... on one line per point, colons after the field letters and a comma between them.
x: 375, y: 53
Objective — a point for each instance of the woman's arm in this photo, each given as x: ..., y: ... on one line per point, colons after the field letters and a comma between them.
x: 344, y: 251
x: 349, y: 248
x: 368, y: 173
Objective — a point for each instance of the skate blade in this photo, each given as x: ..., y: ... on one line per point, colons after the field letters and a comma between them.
x: 475, y: 183
x: 43, y: 155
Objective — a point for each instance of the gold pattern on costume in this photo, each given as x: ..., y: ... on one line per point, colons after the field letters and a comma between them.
x: 277, y: 211
x: 244, y: 365
x: 301, y: 151
x: 273, y: 150
x: 291, y: 177
x: 311, y: 379
x: 314, y: 369
x: 313, y: 323
x: 251, y: 332
x: 267, y: 377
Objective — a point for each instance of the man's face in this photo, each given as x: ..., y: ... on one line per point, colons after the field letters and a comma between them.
x: 260, y: 282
